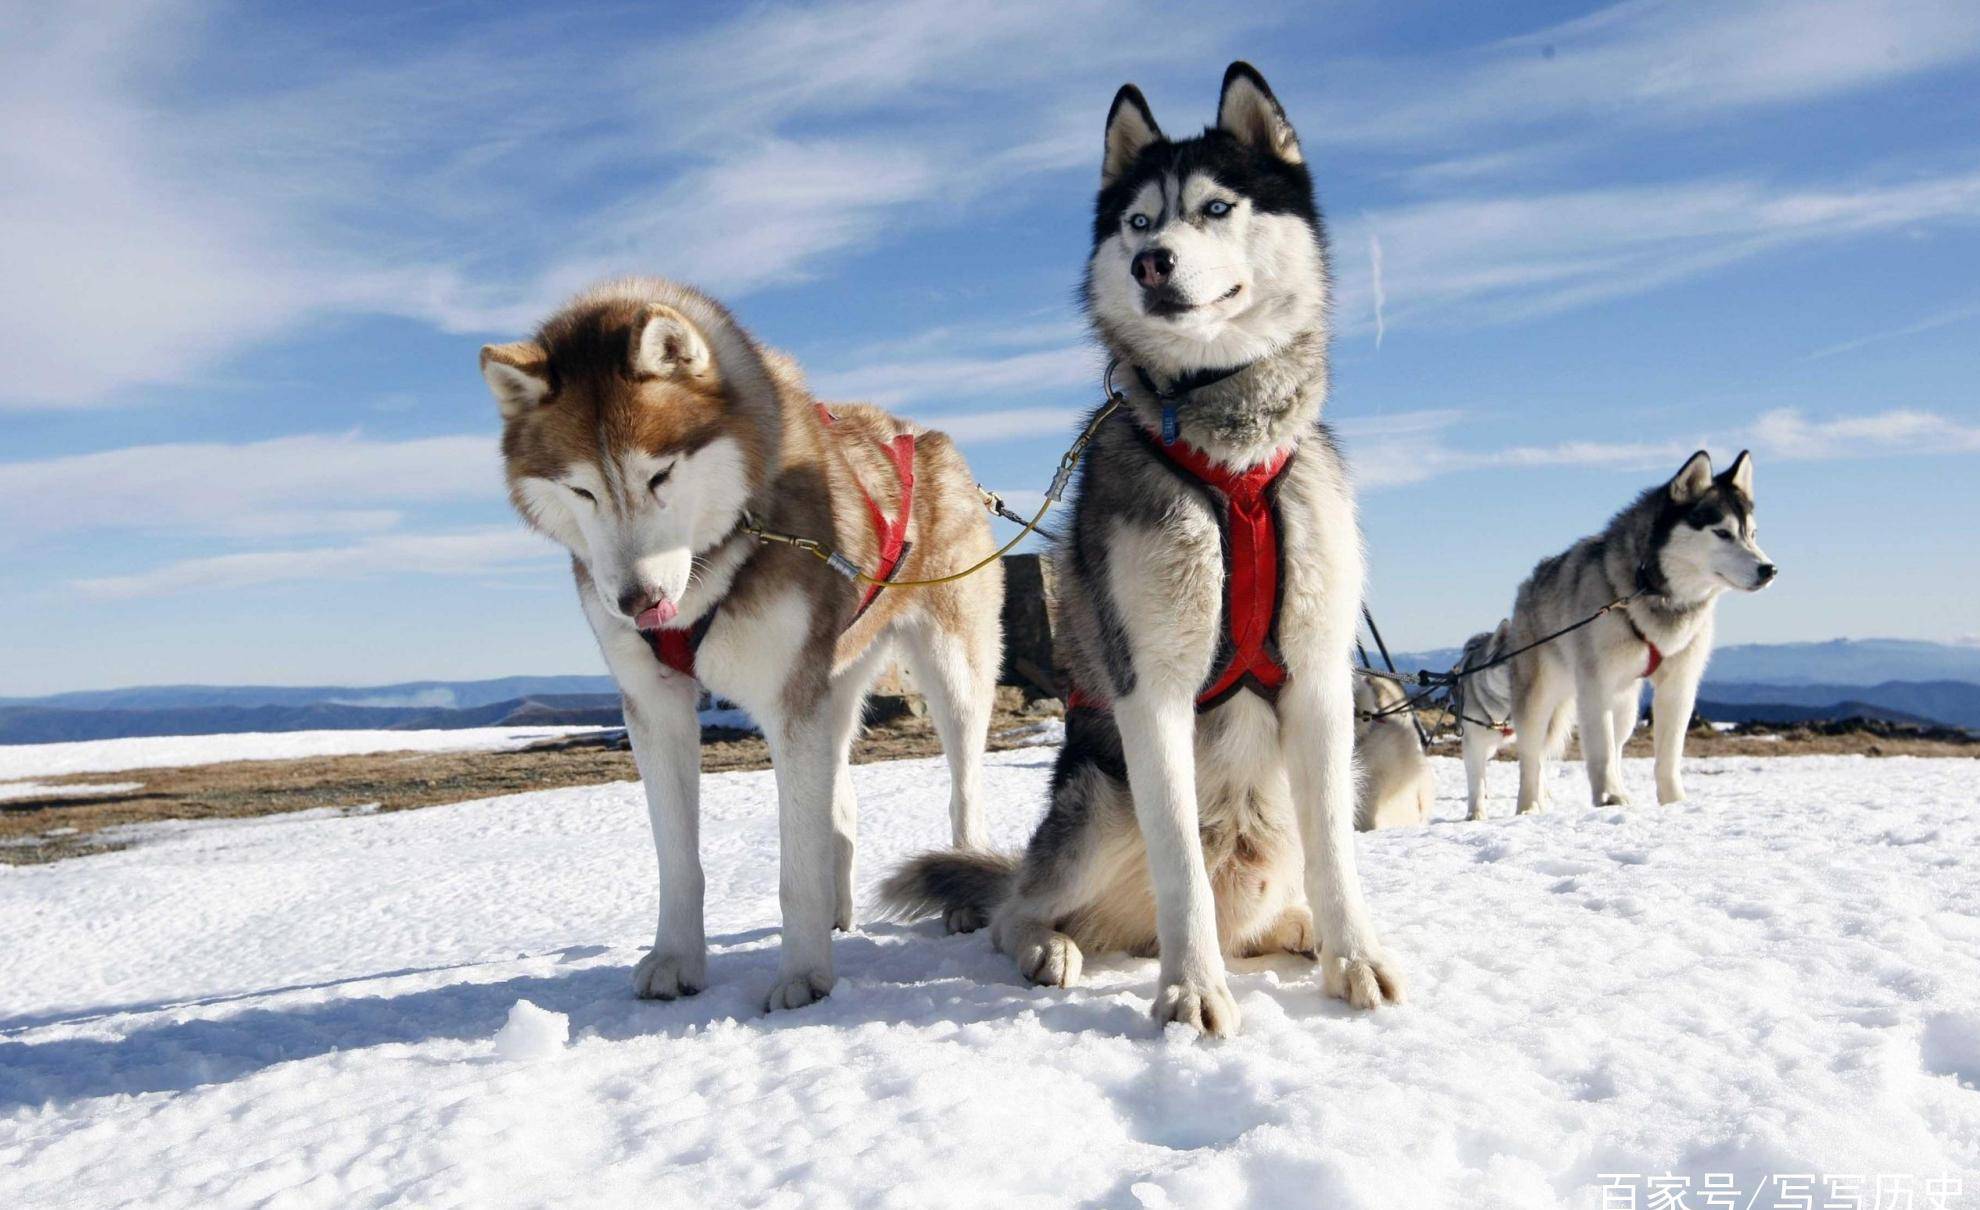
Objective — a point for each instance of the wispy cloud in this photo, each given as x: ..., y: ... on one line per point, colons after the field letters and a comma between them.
x: 1375, y: 289
x: 288, y: 486
x: 154, y: 230
x: 474, y: 551
x: 941, y: 379
x: 1644, y: 63
x: 1414, y: 447
x: 1513, y: 257
x: 1787, y: 433
x: 1008, y: 424
x: 1928, y: 324
x: 157, y: 228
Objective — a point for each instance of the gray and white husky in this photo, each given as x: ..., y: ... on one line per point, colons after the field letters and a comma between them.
x: 1397, y: 788
x: 1482, y: 702
x: 1677, y: 548
x: 1205, y: 796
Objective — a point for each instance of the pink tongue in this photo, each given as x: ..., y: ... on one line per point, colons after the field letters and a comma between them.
x: 654, y: 617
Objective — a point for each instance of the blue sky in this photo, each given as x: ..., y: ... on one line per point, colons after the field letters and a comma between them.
x: 251, y: 251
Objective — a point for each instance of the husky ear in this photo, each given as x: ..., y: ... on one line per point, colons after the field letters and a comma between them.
x: 1130, y: 127
x: 1739, y: 476
x: 1249, y: 111
x: 1693, y: 480
x: 518, y: 375
x: 1501, y: 632
x: 666, y: 344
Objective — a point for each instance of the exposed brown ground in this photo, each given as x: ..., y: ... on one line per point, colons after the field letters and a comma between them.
x: 1788, y: 741
x: 52, y: 827
x: 49, y: 828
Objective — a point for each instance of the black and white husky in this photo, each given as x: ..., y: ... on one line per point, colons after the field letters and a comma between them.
x: 1676, y: 548
x: 1209, y: 583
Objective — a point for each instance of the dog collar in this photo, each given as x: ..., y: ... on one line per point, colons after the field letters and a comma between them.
x: 1180, y: 390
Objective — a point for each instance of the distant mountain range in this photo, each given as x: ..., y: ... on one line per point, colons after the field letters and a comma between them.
x: 1836, y: 662
x: 1784, y: 713
x: 442, y: 695
x: 47, y: 724
x: 1897, y: 679
x: 1900, y: 680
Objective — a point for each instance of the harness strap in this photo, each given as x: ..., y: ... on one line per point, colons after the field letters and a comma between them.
x: 893, y: 534
x: 1250, y: 650
x: 1656, y: 656
x: 676, y: 648
x: 1251, y: 572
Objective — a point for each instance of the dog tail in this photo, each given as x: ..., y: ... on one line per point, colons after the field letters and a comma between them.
x: 946, y: 880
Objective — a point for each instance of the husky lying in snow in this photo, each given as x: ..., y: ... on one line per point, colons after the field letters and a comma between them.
x: 644, y: 430
x: 1397, y: 788
x: 1209, y: 586
x: 1483, y: 703
x: 1679, y: 546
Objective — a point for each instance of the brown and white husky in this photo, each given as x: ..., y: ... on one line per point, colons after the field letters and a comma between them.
x: 649, y: 434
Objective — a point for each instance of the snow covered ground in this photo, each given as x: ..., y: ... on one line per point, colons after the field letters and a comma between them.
x: 159, y: 751
x: 1776, y: 984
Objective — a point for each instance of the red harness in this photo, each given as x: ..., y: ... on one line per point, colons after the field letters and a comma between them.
x: 1249, y: 648
x: 676, y: 648
x: 1656, y: 656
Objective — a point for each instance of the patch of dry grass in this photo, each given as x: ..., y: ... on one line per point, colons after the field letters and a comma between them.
x: 73, y: 822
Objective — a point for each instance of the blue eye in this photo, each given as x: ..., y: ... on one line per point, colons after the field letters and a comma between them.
x: 1217, y: 209
x: 1139, y: 222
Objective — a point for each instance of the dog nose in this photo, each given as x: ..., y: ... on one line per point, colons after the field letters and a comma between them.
x: 1152, y: 266
x: 633, y: 599
x: 1767, y: 572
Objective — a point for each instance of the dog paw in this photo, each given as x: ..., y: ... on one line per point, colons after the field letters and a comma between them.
x: 965, y: 919
x: 1364, y: 983
x: 1205, y: 1005
x: 798, y: 990
x: 1296, y: 933
x: 1612, y: 798
x: 1291, y: 933
x: 1475, y: 815
x: 1670, y: 796
x: 1529, y: 808
x: 1053, y: 961
x: 661, y: 976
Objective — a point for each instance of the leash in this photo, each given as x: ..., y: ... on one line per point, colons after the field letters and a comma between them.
x: 991, y: 501
x: 1440, y: 682
x: 1430, y: 683
x: 1422, y: 736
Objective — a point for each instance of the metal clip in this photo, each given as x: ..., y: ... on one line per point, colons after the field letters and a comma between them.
x: 1061, y: 479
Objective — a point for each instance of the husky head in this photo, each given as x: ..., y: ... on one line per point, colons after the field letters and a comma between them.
x: 1709, y: 538
x: 628, y: 437
x: 1207, y: 251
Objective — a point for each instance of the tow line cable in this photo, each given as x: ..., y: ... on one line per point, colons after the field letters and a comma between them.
x: 991, y: 501
x: 1430, y: 683
x: 1434, y: 683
